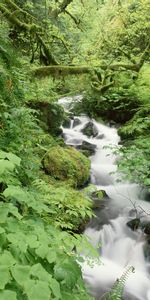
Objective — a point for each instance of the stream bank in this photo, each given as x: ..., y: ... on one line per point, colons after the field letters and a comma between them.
x: 121, y: 247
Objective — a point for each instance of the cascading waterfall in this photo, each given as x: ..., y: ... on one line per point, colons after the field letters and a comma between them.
x: 120, y: 246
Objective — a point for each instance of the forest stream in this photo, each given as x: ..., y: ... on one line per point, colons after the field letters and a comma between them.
x: 120, y: 246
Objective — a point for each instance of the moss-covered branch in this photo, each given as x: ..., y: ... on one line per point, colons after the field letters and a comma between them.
x: 61, y: 70
x: 75, y: 70
x: 13, y: 6
x: 143, y: 56
x: 9, y: 10
x: 13, y: 19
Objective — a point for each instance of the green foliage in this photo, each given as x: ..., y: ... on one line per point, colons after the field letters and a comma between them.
x: 51, y: 115
x: 118, y: 104
x: 36, y: 259
x: 135, y: 160
x: 69, y: 208
x: 67, y: 164
x: 139, y: 125
x: 116, y: 292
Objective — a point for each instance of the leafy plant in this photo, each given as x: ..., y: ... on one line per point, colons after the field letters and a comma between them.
x: 117, y: 290
x: 36, y: 258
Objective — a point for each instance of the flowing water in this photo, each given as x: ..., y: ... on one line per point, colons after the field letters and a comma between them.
x: 120, y: 246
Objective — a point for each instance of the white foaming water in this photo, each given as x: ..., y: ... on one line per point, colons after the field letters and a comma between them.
x: 120, y: 247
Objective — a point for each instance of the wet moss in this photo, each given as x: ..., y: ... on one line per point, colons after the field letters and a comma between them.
x: 67, y: 164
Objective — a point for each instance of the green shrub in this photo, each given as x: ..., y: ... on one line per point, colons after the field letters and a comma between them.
x: 37, y: 260
x: 51, y: 115
x: 71, y: 209
x: 135, y: 160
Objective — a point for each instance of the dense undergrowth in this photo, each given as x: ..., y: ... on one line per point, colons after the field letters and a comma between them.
x: 41, y: 212
x: 135, y: 134
x: 37, y: 260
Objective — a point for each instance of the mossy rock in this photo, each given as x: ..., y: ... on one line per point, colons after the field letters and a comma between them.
x: 67, y: 164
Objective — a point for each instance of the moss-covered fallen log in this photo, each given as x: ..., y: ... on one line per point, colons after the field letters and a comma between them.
x: 61, y: 70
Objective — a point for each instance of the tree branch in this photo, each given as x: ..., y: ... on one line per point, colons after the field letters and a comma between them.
x: 61, y: 8
x: 61, y: 70
x: 27, y: 27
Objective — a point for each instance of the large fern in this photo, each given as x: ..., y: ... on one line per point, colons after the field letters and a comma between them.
x: 116, y: 292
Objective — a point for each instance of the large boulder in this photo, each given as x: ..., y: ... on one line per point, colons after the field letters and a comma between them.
x: 67, y: 164
x: 76, y: 122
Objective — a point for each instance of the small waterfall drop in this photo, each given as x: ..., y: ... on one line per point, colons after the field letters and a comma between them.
x: 120, y: 246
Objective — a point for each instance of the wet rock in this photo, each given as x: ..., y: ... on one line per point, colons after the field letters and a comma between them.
x: 99, y: 195
x: 132, y: 212
x: 88, y: 147
x: 146, y: 228
x: 76, y: 122
x: 74, y: 142
x: 100, y: 136
x: 147, y: 196
x: 147, y: 250
x: 134, y: 224
x: 112, y: 123
x: 90, y: 130
x: 98, y: 199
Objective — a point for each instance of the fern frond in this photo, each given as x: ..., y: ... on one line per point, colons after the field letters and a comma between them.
x: 116, y: 292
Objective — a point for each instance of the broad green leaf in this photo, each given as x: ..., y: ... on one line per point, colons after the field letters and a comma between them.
x: 3, y: 213
x: 37, y: 290
x: 14, y: 158
x: 6, y: 259
x: 6, y: 166
x: 66, y: 296
x: 19, y: 240
x: 32, y: 241
x: 8, y: 208
x: 11, y: 157
x: 39, y: 272
x: 14, y: 211
x: 42, y: 251
x: 8, y: 295
x: 55, y: 287
x: 20, y: 273
x: 15, y: 192
x: 4, y: 276
x: 2, y: 230
x: 51, y: 256
x: 68, y: 272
